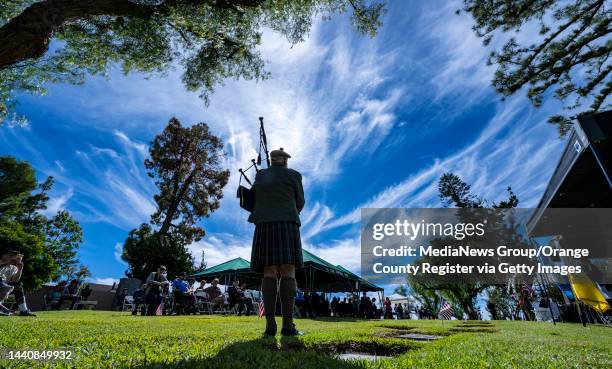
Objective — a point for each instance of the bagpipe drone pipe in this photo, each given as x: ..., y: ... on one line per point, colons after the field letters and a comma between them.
x: 244, y: 194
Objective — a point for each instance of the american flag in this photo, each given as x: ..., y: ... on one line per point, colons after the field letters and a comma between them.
x: 446, y: 311
x: 260, y: 307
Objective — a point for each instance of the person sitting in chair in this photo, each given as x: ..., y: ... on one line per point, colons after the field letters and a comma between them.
x: 139, y: 297
x: 11, y: 266
x: 52, y: 297
x: 214, y: 293
x: 202, y: 285
x: 237, y: 297
x: 70, y: 293
x: 120, y: 298
x: 180, y: 289
x: 190, y: 299
x: 86, y: 292
x: 155, y: 284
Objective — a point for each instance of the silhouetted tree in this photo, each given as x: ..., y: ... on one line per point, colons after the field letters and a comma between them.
x: 185, y: 163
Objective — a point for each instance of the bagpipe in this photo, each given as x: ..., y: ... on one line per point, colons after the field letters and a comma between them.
x: 247, y: 195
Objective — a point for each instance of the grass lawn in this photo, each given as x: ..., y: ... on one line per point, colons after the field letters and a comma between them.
x: 119, y: 340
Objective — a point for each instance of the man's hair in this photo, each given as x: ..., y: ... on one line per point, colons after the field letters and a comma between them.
x: 11, y: 252
x: 216, y: 280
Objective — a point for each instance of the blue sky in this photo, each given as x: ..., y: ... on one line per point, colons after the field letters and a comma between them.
x: 369, y: 123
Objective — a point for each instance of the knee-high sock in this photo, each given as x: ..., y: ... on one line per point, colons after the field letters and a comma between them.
x: 287, y: 296
x: 269, y: 288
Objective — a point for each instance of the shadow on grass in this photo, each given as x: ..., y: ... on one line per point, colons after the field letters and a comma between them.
x: 263, y: 352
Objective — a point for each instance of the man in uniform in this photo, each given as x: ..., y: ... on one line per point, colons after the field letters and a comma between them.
x: 277, y: 247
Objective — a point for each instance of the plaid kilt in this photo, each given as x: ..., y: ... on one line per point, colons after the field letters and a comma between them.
x: 276, y: 243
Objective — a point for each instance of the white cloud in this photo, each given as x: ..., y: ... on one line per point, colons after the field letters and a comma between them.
x: 107, y: 281
x: 345, y: 252
x: 141, y: 148
x: 221, y: 247
x: 104, y: 151
x: 514, y: 141
x: 60, y: 165
x: 117, y: 253
x: 57, y: 203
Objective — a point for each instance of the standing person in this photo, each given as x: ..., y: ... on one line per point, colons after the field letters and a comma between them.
x: 155, y: 282
x: 11, y: 266
x: 388, y: 309
x: 277, y: 247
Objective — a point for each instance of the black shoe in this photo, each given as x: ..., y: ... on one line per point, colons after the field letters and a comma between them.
x: 26, y: 313
x: 291, y: 332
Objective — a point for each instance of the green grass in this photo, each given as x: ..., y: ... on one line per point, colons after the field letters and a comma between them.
x: 119, y: 340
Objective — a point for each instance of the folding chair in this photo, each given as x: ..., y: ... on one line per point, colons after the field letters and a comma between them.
x: 128, y: 303
x: 221, y: 308
x: 203, y: 302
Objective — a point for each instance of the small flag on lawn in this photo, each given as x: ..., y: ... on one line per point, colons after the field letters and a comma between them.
x: 159, y: 310
x: 446, y: 311
x: 260, y: 307
x: 528, y: 288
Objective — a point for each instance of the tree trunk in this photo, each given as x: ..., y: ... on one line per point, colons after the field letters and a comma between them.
x: 27, y: 35
x: 163, y: 230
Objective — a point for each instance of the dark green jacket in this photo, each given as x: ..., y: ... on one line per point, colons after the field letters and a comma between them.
x: 279, y: 195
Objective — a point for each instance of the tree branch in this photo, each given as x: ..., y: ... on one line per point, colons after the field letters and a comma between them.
x: 27, y: 35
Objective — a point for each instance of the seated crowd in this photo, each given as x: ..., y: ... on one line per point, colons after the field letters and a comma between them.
x: 158, y: 296
x: 70, y: 295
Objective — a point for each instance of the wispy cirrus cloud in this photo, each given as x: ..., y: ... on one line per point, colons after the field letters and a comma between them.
x: 515, y: 140
x: 405, y: 107
x: 58, y: 203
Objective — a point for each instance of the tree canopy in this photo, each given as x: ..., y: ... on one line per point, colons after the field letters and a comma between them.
x: 49, y: 244
x: 571, y: 56
x: 210, y: 40
x: 186, y: 165
x: 462, y: 294
x: 144, y: 254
